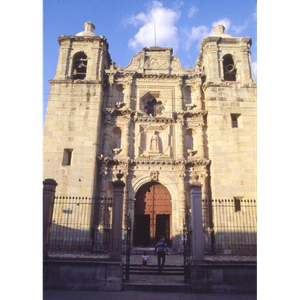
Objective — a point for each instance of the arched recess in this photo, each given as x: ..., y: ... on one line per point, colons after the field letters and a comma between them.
x: 79, y: 66
x: 116, y: 138
x: 190, y: 139
x: 229, y: 68
x: 119, y: 98
x: 153, y: 214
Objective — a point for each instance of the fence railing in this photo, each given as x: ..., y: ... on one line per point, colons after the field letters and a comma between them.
x: 230, y: 227
x: 77, y: 223
x: 82, y: 224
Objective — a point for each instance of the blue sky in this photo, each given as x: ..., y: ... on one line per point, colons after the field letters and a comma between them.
x: 129, y: 26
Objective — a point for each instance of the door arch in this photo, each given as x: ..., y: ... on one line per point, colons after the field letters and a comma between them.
x: 153, y: 210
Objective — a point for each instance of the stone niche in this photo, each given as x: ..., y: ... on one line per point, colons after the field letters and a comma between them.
x: 154, y: 141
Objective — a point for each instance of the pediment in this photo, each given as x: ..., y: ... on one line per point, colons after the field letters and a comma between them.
x: 155, y: 60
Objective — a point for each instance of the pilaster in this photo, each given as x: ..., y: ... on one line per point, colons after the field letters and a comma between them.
x: 197, y: 226
x: 116, y: 232
x: 48, y: 203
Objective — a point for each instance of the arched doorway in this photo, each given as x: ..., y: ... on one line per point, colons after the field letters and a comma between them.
x: 153, y: 211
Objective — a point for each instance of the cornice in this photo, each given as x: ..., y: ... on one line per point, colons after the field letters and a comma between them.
x: 187, y: 114
x: 228, y: 84
x: 148, y: 119
x: 77, y: 81
x: 82, y: 38
x: 118, y: 111
x: 152, y: 161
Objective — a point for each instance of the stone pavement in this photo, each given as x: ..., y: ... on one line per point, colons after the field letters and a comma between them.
x: 139, y: 295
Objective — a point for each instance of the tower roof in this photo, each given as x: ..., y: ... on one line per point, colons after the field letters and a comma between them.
x: 88, y: 29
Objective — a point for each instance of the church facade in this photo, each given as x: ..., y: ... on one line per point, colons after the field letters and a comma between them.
x: 163, y: 126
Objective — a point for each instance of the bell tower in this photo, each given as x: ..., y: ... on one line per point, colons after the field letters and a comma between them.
x: 230, y: 99
x: 226, y: 58
x: 82, y: 56
x: 73, y: 118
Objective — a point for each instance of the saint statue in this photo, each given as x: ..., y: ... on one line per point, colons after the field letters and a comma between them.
x: 154, y: 143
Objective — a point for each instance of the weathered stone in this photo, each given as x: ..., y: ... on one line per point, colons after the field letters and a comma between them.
x: 154, y: 120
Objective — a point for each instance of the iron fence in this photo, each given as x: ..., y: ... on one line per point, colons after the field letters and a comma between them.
x: 82, y: 226
x: 230, y: 227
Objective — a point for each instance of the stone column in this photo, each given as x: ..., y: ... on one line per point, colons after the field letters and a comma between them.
x: 179, y: 138
x: 197, y: 95
x: 126, y: 139
x: 197, y: 226
x: 116, y: 231
x: 107, y: 136
x: 200, y: 136
x: 111, y: 88
x: 179, y: 102
x: 127, y: 92
x: 48, y: 203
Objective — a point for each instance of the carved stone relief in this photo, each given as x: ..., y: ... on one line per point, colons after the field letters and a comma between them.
x: 155, y: 140
x: 154, y: 175
x: 156, y: 62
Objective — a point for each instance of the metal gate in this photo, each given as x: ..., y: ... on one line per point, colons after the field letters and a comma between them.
x: 128, y: 234
x: 186, y: 254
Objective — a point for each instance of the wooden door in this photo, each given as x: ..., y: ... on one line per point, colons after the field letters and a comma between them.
x: 152, y: 199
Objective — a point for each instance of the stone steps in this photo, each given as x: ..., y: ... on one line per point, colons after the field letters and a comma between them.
x: 170, y: 270
x: 171, y: 279
x: 178, y: 288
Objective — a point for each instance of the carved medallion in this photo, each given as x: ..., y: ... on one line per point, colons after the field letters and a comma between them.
x: 154, y: 175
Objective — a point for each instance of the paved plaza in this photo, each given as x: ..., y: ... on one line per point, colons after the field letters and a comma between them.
x: 139, y: 295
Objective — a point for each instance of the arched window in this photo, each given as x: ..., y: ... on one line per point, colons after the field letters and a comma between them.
x: 229, y: 68
x: 79, y: 66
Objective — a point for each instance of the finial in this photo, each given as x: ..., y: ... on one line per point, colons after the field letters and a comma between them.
x: 120, y: 175
x: 219, y: 29
x: 89, y: 26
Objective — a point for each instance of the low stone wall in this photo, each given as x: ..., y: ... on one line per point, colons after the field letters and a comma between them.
x: 207, y: 277
x: 231, y: 277
x: 83, y: 275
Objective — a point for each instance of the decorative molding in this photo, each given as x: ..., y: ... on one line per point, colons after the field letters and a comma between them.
x: 152, y: 161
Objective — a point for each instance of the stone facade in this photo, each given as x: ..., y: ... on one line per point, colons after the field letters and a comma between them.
x: 154, y: 121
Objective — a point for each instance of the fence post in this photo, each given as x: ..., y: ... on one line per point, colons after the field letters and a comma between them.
x: 117, y: 210
x: 197, y: 225
x: 198, y: 272
x: 48, y: 202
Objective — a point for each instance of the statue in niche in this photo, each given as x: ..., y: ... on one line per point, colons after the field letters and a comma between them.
x: 154, y: 143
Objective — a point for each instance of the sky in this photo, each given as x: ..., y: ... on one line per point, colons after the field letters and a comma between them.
x: 129, y: 26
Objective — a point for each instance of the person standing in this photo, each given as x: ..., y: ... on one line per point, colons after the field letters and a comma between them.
x: 145, y: 260
x: 160, y: 249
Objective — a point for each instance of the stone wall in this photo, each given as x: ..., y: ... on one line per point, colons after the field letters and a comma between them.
x: 83, y: 275
x: 224, y: 277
